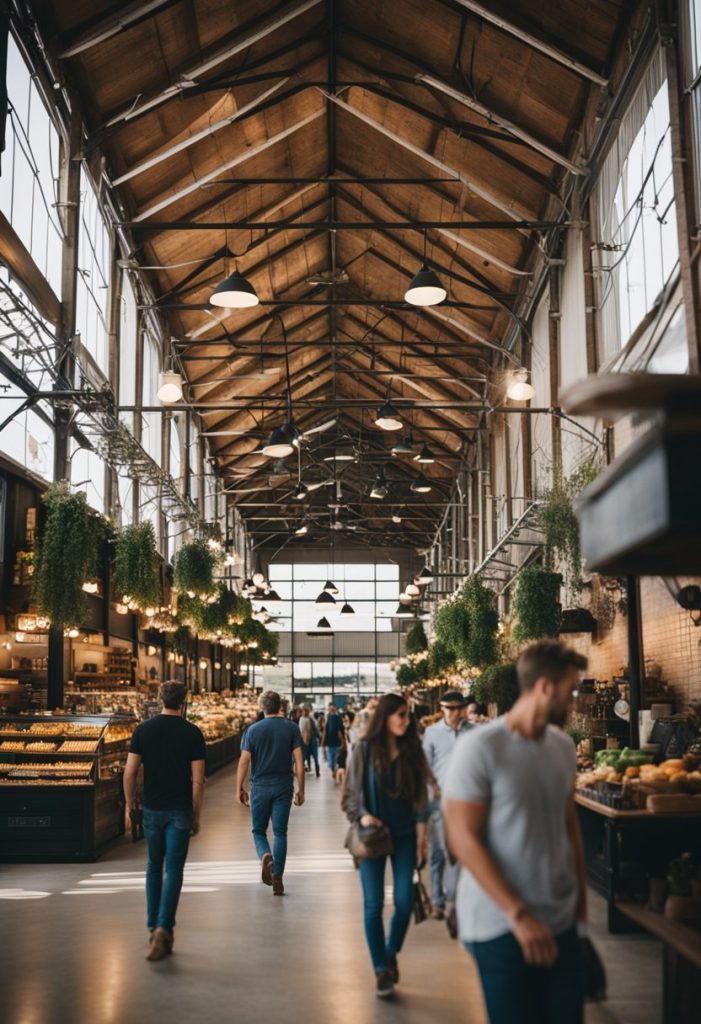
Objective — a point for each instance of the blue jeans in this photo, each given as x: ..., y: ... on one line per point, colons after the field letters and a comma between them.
x: 271, y: 801
x: 332, y: 756
x: 167, y: 837
x: 311, y: 753
x: 516, y: 993
x: 444, y: 875
x: 372, y: 876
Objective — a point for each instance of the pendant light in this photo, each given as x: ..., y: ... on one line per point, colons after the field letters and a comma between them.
x: 380, y: 489
x: 331, y: 588
x: 403, y: 447
x: 425, y: 456
x: 272, y: 597
x: 258, y: 579
x: 300, y: 492
x: 388, y: 418
x: 405, y: 598
x: 425, y: 288
x: 520, y: 390
x: 282, y: 441
x: 425, y: 577
x: 420, y: 485
x: 403, y: 612
x: 326, y: 601
x: 248, y: 587
x: 347, y: 609
x: 234, y: 293
x: 413, y: 591
x: 301, y: 530
x: 396, y: 518
x: 323, y: 623
x: 170, y: 387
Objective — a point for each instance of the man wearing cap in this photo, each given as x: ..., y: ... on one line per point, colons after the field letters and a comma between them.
x: 439, y: 744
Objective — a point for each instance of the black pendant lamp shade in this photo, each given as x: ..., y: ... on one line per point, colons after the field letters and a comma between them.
x: 323, y: 623
x: 347, y: 609
x: 331, y: 588
x: 301, y: 492
x: 234, y: 293
x: 425, y: 456
x: 281, y: 442
x: 326, y: 601
x: 388, y: 418
x: 379, y: 489
x: 421, y: 485
x: 425, y: 288
x: 403, y: 612
x: 425, y: 577
x: 403, y: 447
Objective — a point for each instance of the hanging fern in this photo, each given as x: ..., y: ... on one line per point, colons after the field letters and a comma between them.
x: 66, y: 556
x: 536, y: 604
x: 481, y: 643
x: 193, y: 568
x: 558, y: 520
x: 136, y: 571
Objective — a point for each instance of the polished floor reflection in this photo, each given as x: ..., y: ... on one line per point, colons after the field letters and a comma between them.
x: 74, y: 938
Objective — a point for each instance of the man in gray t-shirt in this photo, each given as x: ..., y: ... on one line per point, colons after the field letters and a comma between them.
x: 511, y: 822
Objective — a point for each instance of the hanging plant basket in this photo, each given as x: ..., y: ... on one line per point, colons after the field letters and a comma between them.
x: 440, y: 659
x: 416, y: 639
x: 481, y: 642
x: 451, y: 627
x: 497, y: 684
x: 67, y: 550
x: 136, y: 572
x: 536, y: 604
x: 193, y: 569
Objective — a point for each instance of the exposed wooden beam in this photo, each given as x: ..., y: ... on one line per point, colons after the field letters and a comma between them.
x: 15, y: 255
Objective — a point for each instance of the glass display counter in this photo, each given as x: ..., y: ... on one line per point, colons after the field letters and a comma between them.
x: 61, y: 785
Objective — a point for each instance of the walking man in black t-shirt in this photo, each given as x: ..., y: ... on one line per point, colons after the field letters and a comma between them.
x: 172, y: 752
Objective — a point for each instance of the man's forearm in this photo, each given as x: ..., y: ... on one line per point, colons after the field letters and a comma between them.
x: 197, y: 798
x: 241, y: 773
x: 129, y: 789
x: 301, y: 778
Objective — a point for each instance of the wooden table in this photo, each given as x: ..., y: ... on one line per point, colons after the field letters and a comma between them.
x: 625, y: 848
x: 681, y: 972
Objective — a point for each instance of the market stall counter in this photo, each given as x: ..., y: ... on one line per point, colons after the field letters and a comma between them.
x: 61, y: 785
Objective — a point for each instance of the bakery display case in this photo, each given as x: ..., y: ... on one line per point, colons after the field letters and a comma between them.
x: 61, y: 785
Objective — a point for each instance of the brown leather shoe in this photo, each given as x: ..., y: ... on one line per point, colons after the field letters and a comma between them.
x: 278, y: 887
x: 161, y: 945
x: 267, y: 869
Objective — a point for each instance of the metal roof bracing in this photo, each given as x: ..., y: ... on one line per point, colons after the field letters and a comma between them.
x: 321, y: 146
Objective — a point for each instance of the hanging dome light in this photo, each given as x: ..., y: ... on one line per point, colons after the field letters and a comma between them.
x: 396, y: 518
x: 272, y: 597
x: 341, y: 455
x: 234, y: 293
x: 326, y: 601
x: 170, y: 387
x: 281, y: 442
x: 520, y: 390
x: 347, y: 609
x: 379, y: 488
x: 425, y: 288
x: 413, y: 591
x: 421, y: 485
x: 331, y: 588
x: 301, y: 530
x: 405, y: 597
x: 425, y: 577
x: 323, y: 623
x: 388, y: 418
x: 403, y: 612
x: 258, y: 579
x: 425, y: 456
x: 300, y: 492
x: 403, y: 447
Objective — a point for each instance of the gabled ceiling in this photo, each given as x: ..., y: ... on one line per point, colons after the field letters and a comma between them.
x: 321, y: 147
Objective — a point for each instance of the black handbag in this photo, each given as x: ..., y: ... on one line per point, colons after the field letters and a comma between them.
x: 421, y: 899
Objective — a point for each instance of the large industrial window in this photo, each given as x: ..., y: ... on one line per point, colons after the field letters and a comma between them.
x: 151, y: 421
x: 128, y: 329
x: 30, y: 169
x: 372, y: 591
x: 94, y: 263
x: 637, y: 248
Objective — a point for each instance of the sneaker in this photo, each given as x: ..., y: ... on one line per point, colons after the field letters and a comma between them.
x: 161, y: 945
x: 385, y: 984
x: 278, y: 887
x: 451, y: 920
x: 393, y: 968
x: 266, y: 874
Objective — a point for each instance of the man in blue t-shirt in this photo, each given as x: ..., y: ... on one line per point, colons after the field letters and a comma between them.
x: 334, y: 738
x: 269, y: 748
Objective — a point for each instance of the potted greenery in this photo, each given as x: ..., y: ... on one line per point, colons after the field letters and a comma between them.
x: 558, y: 520
x: 536, y: 604
x: 67, y: 551
x: 497, y: 684
x: 416, y: 639
x: 193, y: 568
x: 451, y: 625
x: 440, y: 658
x: 136, y: 575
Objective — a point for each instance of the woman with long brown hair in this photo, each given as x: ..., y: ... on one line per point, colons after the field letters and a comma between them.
x: 386, y: 785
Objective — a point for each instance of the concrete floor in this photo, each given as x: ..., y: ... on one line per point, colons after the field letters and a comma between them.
x: 74, y: 938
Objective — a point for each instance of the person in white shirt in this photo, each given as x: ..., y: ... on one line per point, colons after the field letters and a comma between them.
x: 511, y: 821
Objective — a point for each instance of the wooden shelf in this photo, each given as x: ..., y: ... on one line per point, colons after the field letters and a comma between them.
x: 684, y: 940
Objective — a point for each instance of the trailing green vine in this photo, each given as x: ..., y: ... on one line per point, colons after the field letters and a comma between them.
x: 558, y: 520
x: 193, y: 568
x: 67, y: 550
x: 451, y: 626
x: 497, y: 684
x: 536, y: 604
x: 136, y: 573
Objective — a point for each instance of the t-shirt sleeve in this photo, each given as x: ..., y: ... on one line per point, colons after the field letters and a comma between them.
x: 468, y: 776
x: 296, y: 737
x: 135, y: 743
x: 246, y: 740
x: 199, y: 747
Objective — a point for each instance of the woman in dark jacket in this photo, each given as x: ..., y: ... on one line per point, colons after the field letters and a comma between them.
x: 386, y: 784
